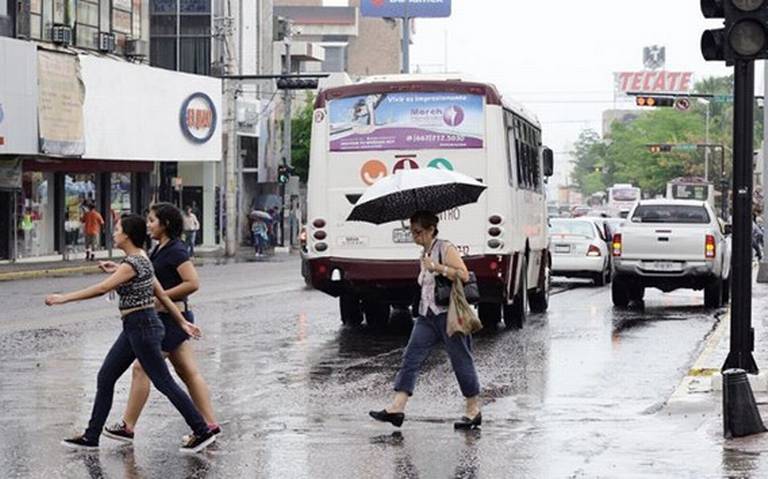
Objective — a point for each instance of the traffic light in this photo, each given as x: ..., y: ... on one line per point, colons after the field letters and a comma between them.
x: 654, y: 101
x: 660, y: 148
x: 284, y: 172
x: 288, y: 83
x: 745, y: 36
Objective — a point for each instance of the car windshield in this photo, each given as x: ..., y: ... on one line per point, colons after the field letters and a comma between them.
x: 572, y: 228
x: 670, y: 214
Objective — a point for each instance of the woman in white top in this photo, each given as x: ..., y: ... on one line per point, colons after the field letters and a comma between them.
x: 439, y: 257
x: 191, y: 227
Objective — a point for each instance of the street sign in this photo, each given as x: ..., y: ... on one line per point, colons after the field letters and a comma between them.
x: 682, y: 104
x: 405, y: 8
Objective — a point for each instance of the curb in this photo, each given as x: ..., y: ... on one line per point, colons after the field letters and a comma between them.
x: 49, y: 273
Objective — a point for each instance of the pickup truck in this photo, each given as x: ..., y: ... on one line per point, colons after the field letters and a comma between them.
x: 671, y: 244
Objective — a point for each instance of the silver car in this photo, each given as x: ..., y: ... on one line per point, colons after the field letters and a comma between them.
x: 579, y: 249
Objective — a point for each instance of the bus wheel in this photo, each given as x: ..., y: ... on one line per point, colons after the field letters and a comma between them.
x: 351, y: 314
x: 376, y: 313
x: 539, y: 300
x: 514, y: 314
x: 489, y: 314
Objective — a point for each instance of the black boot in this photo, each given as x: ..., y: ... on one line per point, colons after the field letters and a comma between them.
x: 467, y: 423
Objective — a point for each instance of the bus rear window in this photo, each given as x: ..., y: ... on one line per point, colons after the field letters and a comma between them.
x: 624, y: 194
x: 407, y: 121
x: 670, y: 214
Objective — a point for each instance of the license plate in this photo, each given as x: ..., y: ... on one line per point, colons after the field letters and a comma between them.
x: 562, y: 248
x: 663, y: 266
x: 402, y: 235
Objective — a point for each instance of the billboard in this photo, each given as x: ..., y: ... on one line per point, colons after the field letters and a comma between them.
x: 405, y: 8
x: 654, y: 81
x: 407, y: 121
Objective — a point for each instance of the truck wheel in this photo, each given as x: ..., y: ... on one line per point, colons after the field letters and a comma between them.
x: 376, y: 313
x: 619, y: 293
x: 713, y: 293
x: 726, y: 291
x: 514, y: 314
x: 539, y: 301
x: 636, y: 292
x: 489, y: 314
x: 351, y: 314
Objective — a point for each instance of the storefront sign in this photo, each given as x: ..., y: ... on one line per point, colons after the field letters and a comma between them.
x: 18, y: 97
x: 10, y: 174
x: 198, y: 118
x: 407, y: 121
x: 654, y: 82
x: 60, y: 104
x: 248, y: 115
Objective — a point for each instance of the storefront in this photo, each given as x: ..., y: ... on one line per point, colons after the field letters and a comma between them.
x: 92, y: 130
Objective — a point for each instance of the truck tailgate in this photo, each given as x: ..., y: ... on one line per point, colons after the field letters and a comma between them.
x: 669, y: 242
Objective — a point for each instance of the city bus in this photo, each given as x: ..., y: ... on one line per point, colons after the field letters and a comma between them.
x: 691, y: 188
x: 622, y: 197
x: 368, y: 130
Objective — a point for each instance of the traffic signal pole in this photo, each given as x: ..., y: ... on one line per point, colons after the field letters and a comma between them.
x: 742, y: 334
x: 287, y: 151
x: 762, y: 272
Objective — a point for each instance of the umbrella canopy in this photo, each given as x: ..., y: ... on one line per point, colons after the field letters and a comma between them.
x: 258, y: 214
x: 399, y: 196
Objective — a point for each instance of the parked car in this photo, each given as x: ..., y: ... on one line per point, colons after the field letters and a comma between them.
x: 671, y: 244
x: 579, y: 249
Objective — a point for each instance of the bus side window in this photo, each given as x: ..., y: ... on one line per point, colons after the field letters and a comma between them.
x: 509, y: 128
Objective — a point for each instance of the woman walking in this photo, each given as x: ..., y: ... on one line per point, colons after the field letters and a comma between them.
x: 178, y: 277
x: 439, y: 257
x: 140, y: 338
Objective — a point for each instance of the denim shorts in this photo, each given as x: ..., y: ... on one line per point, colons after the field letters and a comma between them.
x: 174, y: 335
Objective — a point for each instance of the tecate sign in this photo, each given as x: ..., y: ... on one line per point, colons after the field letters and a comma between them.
x: 654, y: 82
x: 405, y: 8
x: 198, y: 118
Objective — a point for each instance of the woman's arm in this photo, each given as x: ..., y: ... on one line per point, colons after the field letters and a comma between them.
x: 453, y: 266
x: 190, y: 282
x: 171, y: 308
x: 123, y: 274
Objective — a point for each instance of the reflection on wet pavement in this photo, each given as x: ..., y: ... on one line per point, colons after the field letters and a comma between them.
x: 575, y: 393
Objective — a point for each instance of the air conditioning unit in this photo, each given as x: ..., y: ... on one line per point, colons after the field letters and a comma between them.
x: 137, y: 48
x: 106, y: 42
x: 61, y: 35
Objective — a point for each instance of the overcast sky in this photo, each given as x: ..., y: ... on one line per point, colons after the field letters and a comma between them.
x: 557, y: 57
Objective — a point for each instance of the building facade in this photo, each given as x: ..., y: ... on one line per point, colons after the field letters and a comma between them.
x: 84, y: 120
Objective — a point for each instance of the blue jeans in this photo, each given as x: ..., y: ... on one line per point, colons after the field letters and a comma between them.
x: 190, y: 237
x: 428, y: 331
x: 140, y: 339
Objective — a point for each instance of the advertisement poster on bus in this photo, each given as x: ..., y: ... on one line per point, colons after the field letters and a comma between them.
x: 407, y: 121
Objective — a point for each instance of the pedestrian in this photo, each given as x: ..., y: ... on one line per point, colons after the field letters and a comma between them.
x: 276, y: 226
x: 438, y: 257
x: 259, y: 235
x: 92, y: 222
x: 141, y: 337
x: 757, y: 238
x: 178, y: 277
x: 191, y: 227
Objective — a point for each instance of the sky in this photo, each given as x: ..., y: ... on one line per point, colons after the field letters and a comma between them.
x: 557, y: 57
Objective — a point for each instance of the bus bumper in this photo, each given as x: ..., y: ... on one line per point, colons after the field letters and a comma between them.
x: 395, y: 281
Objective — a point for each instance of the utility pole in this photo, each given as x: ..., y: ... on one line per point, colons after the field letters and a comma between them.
x: 287, y: 140
x: 406, y: 40
x: 230, y: 129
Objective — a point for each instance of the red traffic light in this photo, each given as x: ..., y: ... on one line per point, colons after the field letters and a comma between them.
x: 654, y: 101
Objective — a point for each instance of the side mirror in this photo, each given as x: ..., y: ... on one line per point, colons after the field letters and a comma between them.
x: 728, y: 229
x: 549, y: 162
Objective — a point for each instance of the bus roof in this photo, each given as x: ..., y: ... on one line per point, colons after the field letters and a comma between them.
x: 444, y: 82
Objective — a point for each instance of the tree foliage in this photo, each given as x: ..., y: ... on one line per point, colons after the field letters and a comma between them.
x: 301, y: 137
x: 626, y: 158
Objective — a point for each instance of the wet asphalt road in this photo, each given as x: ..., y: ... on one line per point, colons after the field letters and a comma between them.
x: 576, y: 393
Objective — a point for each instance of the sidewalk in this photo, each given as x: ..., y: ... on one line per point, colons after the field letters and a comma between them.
x: 54, y: 266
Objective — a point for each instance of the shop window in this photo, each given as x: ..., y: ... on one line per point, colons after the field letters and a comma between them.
x: 196, y: 25
x: 163, y: 6
x: 120, y: 199
x: 195, y: 6
x: 163, y: 25
x: 195, y: 55
x: 79, y: 192
x: 163, y: 52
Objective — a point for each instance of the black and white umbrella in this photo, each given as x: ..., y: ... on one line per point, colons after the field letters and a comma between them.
x: 399, y: 196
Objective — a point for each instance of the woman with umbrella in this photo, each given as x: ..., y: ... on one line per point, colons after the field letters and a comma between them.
x: 418, y: 193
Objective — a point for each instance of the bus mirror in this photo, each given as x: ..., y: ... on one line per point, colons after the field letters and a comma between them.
x: 549, y: 162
